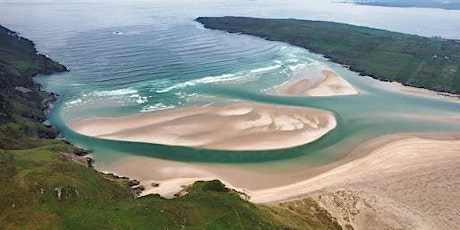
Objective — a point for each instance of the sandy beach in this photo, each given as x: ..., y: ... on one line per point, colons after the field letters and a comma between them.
x: 410, y: 178
x: 398, y: 87
x: 411, y: 181
x: 326, y: 83
x: 244, y: 126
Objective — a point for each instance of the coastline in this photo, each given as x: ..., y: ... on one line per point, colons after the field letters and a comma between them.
x: 247, y: 180
x: 423, y: 190
x: 426, y: 92
x: 386, y: 175
x: 341, y: 174
x: 226, y: 25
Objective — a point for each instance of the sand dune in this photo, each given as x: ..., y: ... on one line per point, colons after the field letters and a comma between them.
x: 328, y: 83
x: 234, y: 127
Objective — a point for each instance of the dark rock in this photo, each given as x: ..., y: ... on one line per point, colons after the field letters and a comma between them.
x: 132, y: 183
x: 81, y: 152
x: 138, y: 190
x: 49, y: 133
x: 89, y: 162
x: 30, y: 115
x: 155, y: 184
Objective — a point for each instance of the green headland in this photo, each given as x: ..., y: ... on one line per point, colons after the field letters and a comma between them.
x: 431, y: 63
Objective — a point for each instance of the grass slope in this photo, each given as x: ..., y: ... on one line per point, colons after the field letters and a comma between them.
x: 44, y: 185
x: 43, y: 188
x: 431, y: 63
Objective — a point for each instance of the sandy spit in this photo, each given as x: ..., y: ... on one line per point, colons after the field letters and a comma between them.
x: 328, y: 83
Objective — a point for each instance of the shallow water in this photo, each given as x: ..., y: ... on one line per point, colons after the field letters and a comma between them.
x: 131, y: 58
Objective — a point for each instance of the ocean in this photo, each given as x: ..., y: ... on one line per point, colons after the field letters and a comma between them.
x: 129, y: 58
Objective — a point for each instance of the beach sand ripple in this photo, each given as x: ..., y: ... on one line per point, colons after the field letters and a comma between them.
x: 245, y: 126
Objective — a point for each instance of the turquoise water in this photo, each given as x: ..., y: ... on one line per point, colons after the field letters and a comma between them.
x: 134, y: 58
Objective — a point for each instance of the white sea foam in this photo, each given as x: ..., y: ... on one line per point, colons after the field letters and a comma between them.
x: 138, y: 98
x: 263, y: 69
x: 293, y: 60
x: 297, y: 67
x: 74, y: 102
x: 156, y: 107
x: 222, y: 78
x: 204, y: 80
x: 176, y: 86
x: 116, y: 92
x: 199, y: 26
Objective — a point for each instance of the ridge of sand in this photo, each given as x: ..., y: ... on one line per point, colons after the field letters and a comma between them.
x: 328, y: 83
x: 245, y: 126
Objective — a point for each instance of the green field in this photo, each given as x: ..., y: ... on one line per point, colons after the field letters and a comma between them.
x: 45, y: 185
x: 432, y: 63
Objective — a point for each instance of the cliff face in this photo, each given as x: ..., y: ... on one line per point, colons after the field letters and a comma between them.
x: 21, y: 99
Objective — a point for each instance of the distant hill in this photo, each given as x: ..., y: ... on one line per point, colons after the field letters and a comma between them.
x: 432, y: 63
x: 441, y: 4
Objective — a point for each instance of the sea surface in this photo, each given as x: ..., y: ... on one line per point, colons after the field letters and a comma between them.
x: 129, y: 58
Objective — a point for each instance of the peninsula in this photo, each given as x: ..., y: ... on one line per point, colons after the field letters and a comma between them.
x: 431, y: 63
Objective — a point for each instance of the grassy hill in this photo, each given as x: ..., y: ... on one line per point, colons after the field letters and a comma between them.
x: 432, y: 63
x: 45, y: 185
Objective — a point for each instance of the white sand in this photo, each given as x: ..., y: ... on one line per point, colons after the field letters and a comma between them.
x: 328, y: 83
x: 398, y: 87
x: 234, y: 127
x: 408, y: 181
x: 408, y: 154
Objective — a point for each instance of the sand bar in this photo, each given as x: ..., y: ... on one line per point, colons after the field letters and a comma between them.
x: 328, y: 83
x: 245, y: 126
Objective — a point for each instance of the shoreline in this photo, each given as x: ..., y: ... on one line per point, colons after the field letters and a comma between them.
x: 178, y: 174
x: 393, y: 147
x: 425, y: 92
